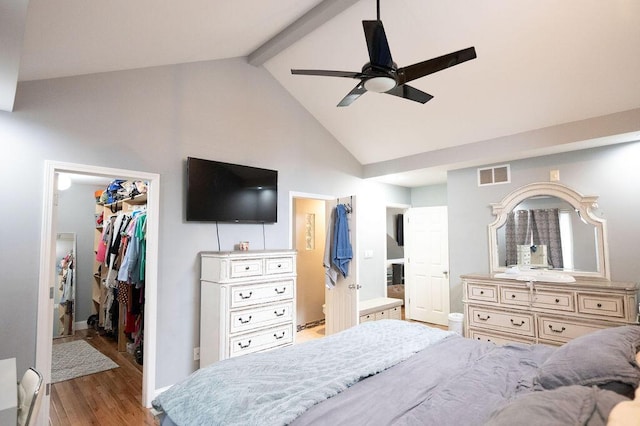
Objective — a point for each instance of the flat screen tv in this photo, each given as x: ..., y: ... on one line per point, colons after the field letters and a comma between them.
x: 223, y: 192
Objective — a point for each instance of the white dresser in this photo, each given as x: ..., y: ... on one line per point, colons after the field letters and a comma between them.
x: 503, y: 310
x: 247, y: 302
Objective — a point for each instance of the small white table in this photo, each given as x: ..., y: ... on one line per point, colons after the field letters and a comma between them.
x: 8, y: 392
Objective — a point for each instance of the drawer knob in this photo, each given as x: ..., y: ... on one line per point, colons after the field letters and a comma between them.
x: 244, y: 321
x: 280, y: 291
x: 244, y: 346
x: 279, y: 314
x: 481, y: 291
x: 247, y: 296
x: 513, y: 296
x: 599, y: 305
x: 483, y: 319
x: 280, y: 336
x: 557, y: 300
x: 279, y: 265
x: 516, y: 324
x: 246, y: 268
x: 556, y: 331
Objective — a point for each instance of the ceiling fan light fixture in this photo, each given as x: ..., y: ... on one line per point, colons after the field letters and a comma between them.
x: 380, y: 84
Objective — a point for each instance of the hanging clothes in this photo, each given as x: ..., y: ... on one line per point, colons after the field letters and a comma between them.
x: 330, y: 272
x: 342, y: 251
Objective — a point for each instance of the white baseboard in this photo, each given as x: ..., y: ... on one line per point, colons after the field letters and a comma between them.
x: 80, y: 325
x: 159, y: 391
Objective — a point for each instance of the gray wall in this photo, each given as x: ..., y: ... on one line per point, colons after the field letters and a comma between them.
x: 150, y: 120
x: 609, y: 172
x: 429, y: 196
x: 76, y: 208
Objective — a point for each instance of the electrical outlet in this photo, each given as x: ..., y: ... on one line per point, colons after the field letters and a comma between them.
x: 196, y: 354
x: 554, y: 175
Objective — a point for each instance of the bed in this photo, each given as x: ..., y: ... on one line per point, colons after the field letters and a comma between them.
x: 395, y: 372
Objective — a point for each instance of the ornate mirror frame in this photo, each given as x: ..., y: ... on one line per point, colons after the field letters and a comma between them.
x: 583, y: 204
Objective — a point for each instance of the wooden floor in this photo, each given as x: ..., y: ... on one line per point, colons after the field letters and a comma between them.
x: 111, y: 397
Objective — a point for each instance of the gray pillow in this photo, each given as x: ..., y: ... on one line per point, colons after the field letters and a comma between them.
x: 568, y: 405
x: 599, y: 358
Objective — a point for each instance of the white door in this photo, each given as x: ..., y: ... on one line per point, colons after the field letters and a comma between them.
x: 427, y: 265
x: 341, y: 302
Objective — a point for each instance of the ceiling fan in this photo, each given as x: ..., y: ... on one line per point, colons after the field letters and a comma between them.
x: 382, y: 75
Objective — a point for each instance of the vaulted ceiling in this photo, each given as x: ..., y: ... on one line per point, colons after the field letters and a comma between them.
x: 541, y: 64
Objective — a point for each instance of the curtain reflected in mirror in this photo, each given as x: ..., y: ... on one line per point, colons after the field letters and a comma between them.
x: 65, y: 289
x: 533, y: 238
x: 547, y: 232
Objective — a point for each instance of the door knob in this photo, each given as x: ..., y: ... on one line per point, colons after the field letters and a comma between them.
x: 445, y: 273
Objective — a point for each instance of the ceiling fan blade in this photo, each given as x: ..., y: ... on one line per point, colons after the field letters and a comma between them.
x: 354, y: 94
x: 411, y: 93
x: 379, y: 52
x: 325, y: 73
x: 412, y: 72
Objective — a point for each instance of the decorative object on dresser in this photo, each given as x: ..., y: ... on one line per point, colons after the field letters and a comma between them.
x: 247, y: 302
x: 522, y: 303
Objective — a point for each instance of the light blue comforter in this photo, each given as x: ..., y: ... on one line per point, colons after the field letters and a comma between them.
x: 275, y: 387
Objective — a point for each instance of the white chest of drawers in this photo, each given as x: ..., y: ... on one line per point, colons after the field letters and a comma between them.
x: 247, y: 302
x: 504, y: 310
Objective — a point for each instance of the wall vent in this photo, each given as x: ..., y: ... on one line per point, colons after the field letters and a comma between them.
x: 494, y: 175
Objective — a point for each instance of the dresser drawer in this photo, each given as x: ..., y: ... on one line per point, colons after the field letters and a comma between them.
x: 501, y: 321
x: 250, y: 319
x: 278, y: 265
x: 242, y: 268
x: 597, y: 304
x: 395, y: 313
x: 498, y: 340
x: 515, y: 296
x: 368, y: 317
x: 247, y: 295
x: 562, y: 330
x: 483, y: 292
x: 554, y: 300
x: 260, y: 341
x: 382, y: 314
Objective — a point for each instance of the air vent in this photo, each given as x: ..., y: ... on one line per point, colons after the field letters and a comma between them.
x: 494, y: 175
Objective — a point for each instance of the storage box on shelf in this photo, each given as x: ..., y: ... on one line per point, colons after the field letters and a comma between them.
x: 247, y: 302
x: 503, y: 310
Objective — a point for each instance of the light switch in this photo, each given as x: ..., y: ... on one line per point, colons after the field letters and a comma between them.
x: 368, y: 254
x: 554, y: 175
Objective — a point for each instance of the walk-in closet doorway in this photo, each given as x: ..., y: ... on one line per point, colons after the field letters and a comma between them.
x: 47, y: 278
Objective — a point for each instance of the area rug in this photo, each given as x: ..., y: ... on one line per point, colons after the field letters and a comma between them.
x: 76, y: 359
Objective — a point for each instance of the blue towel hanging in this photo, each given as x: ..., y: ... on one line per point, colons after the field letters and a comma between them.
x: 342, y: 252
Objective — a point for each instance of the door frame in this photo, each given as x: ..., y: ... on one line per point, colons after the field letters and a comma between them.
x: 386, y: 260
x: 295, y: 194
x: 326, y: 198
x: 44, y: 326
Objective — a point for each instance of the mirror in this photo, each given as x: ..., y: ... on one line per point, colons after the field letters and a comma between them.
x: 548, y: 226
x: 65, y: 289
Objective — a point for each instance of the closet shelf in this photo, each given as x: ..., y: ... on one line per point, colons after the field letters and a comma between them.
x: 137, y: 199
